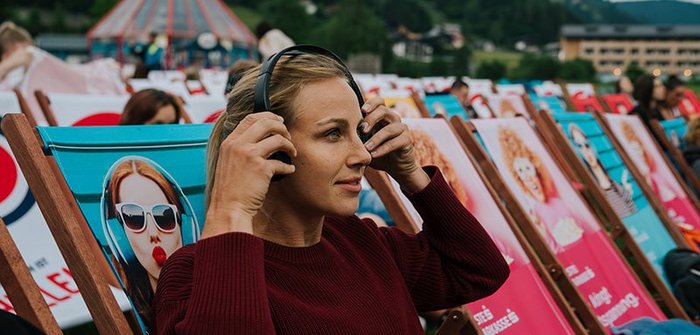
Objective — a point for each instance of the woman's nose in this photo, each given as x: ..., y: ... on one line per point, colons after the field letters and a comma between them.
x: 152, y: 228
x: 358, y: 154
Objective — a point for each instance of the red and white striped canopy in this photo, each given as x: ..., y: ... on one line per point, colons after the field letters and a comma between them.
x: 175, y: 18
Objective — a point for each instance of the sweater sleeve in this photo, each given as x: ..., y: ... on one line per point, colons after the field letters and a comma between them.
x: 216, y: 286
x: 451, y: 262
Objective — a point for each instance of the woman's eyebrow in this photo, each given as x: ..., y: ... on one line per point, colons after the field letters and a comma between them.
x: 339, y: 121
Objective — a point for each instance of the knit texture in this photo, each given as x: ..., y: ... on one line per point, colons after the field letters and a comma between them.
x: 359, y: 279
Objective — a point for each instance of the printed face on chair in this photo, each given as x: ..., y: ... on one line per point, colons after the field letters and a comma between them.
x: 638, y: 156
x: 527, y: 173
x: 584, y: 147
x: 331, y: 158
x: 149, y: 221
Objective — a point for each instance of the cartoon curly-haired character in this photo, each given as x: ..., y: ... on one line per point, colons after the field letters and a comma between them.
x: 556, y: 222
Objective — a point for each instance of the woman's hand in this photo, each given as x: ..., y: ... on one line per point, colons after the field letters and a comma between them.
x: 391, y: 147
x: 19, y: 57
x: 243, y: 172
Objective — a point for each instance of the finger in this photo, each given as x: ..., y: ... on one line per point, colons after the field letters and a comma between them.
x: 253, y: 118
x: 265, y: 128
x: 273, y: 144
x: 394, y: 144
x: 278, y: 167
x: 382, y: 113
x: 372, y: 104
x: 388, y: 132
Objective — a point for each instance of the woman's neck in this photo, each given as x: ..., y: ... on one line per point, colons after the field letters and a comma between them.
x: 289, y: 227
x: 602, y: 178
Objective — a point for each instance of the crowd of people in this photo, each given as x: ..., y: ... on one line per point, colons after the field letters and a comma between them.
x: 275, y: 250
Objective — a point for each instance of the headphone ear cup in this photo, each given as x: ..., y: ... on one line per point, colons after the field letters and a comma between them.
x: 120, y: 242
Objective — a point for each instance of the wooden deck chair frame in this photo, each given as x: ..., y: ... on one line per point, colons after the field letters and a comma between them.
x: 24, y: 106
x: 20, y: 287
x: 614, y: 225
x: 677, y: 155
x: 67, y: 226
x: 609, y: 100
x: 521, y: 222
x: 392, y: 202
x: 691, y: 195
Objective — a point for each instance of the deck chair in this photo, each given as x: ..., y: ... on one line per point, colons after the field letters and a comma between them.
x: 588, y: 103
x: 618, y: 103
x: 638, y: 144
x: 445, y: 104
x: 111, y: 151
x: 81, y: 109
x: 538, y: 306
x: 670, y: 134
x: 479, y: 86
x: 14, y: 102
x: 507, y: 105
x: 176, y: 88
x: 548, y: 103
x: 511, y: 89
x: 633, y: 216
x: 205, y: 109
x: 21, y: 289
x: 580, y: 89
x: 690, y: 105
x: 557, y: 222
x: 405, y: 103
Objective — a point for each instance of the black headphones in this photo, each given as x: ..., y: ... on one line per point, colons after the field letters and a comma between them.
x: 262, y: 88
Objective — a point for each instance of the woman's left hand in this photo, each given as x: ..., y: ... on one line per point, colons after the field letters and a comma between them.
x: 391, y: 147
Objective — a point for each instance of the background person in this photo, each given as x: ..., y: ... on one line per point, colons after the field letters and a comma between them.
x: 151, y: 106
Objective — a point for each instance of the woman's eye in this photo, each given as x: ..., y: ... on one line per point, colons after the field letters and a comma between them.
x: 333, y: 133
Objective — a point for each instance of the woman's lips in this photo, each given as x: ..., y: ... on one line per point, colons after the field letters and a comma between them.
x: 159, y: 255
x: 352, y: 185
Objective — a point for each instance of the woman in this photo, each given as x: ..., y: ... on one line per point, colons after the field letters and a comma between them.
x: 556, y: 222
x: 289, y: 256
x: 617, y: 196
x: 15, y: 56
x: 151, y: 106
x: 146, y: 217
x: 648, y: 91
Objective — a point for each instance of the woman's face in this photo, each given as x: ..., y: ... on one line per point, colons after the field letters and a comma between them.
x: 151, y: 244
x: 638, y: 156
x: 659, y: 93
x: 165, y: 115
x: 585, y: 148
x: 527, y: 173
x: 331, y: 158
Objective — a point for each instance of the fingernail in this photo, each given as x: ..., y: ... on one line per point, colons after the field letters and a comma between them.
x: 373, y: 154
x: 365, y: 107
x: 364, y: 126
x: 369, y: 145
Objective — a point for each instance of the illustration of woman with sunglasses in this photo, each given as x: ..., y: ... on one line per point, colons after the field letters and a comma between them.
x: 146, y: 217
x: 617, y: 195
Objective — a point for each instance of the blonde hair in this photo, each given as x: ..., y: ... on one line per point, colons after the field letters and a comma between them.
x: 693, y: 133
x: 11, y: 34
x: 513, y: 147
x: 290, y: 76
x: 631, y: 136
x: 428, y: 153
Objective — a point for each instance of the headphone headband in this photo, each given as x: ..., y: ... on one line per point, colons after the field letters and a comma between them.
x: 262, y: 84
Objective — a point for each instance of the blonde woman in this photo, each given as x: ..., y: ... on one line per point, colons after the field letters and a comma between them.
x: 289, y: 256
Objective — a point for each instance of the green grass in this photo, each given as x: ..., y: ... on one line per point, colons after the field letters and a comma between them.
x: 510, y: 58
x: 250, y: 17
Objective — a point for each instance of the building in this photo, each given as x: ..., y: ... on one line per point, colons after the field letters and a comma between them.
x: 661, y: 49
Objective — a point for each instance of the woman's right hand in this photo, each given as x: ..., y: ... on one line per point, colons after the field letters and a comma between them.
x: 243, y: 172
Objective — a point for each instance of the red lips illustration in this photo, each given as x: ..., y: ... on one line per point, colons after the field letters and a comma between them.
x: 159, y: 255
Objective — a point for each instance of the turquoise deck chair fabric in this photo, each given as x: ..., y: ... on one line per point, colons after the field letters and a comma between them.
x: 640, y: 219
x: 447, y: 102
x: 551, y: 103
x: 166, y: 202
x: 675, y: 130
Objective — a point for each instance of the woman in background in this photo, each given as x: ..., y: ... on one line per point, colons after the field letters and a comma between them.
x: 151, y: 106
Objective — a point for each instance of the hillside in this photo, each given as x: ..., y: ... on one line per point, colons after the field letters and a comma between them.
x: 662, y: 12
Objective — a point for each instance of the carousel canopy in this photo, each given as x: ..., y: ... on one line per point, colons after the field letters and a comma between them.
x: 131, y: 19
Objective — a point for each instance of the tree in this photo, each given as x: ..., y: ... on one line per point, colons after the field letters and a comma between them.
x: 289, y: 17
x: 493, y: 69
x: 353, y: 28
x: 634, y: 71
x: 577, y: 70
x: 533, y: 66
x: 408, y: 13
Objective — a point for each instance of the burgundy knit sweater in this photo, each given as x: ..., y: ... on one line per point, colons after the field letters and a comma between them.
x: 359, y: 279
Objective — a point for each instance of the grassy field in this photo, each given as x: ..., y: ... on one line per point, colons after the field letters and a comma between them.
x: 510, y: 58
